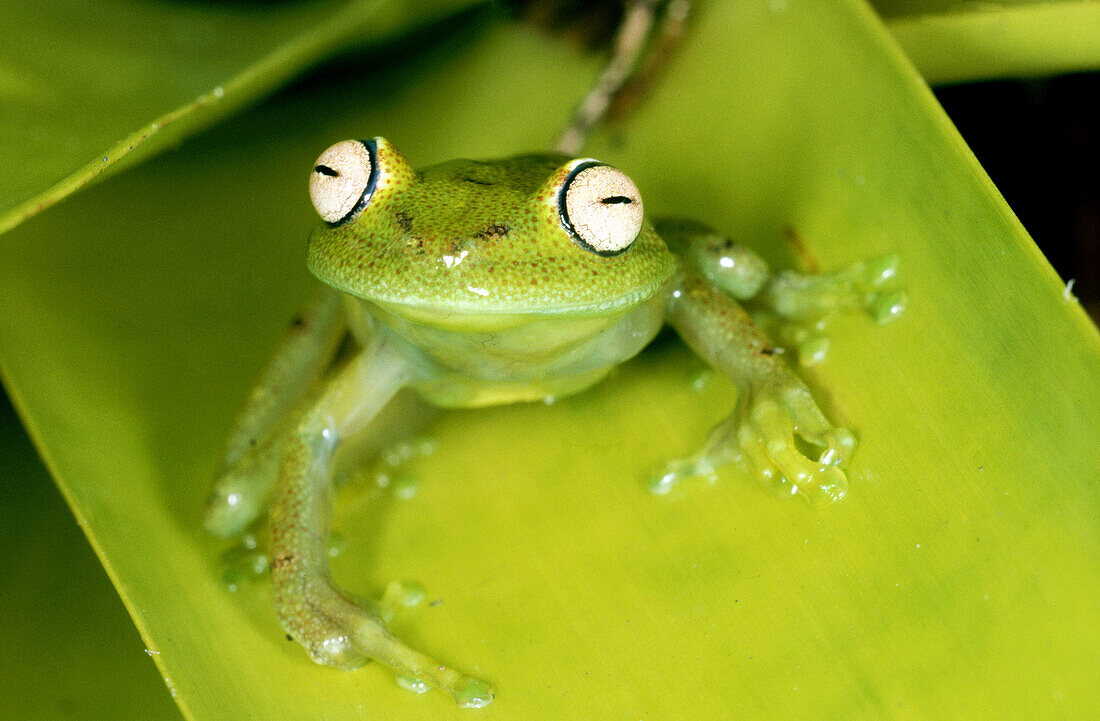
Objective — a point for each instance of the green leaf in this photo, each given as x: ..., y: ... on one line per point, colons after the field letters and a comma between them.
x: 953, y: 41
x: 90, y: 88
x: 955, y: 580
x: 141, y: 76
x: 57, y: 664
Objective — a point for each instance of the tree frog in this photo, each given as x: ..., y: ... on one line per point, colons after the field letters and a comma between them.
x: 486, y: 282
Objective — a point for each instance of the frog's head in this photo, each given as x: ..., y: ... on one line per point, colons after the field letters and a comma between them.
x: 530, y: 234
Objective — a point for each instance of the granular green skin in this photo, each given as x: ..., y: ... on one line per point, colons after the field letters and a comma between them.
x: 474, y: 236
x: 464, y: 283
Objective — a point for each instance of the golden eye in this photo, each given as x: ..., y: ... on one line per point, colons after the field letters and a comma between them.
x: 601, y: 208
x: 343, y: 179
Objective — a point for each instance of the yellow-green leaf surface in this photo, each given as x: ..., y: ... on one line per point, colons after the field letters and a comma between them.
x: 952, y: 41
x: 956, y: 581
x: 88, y: 88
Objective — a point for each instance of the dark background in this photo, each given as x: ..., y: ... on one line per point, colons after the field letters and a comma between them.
x: 1039, y: 140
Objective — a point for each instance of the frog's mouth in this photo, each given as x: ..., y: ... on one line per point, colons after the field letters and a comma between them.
x: 480, y: 309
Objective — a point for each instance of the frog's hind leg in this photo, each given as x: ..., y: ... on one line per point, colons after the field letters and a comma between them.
x: 333, y: 628
x: 250, y: 463
x: 775, y: 417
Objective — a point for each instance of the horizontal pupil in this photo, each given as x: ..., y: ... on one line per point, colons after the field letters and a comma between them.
x: 614, y: 199
x: 325, y: 170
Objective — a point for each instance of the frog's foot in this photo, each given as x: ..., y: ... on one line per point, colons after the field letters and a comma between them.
x: 766, y: 434
x: 863, y: 285
x: 773, y: 429
x: 335, y: 631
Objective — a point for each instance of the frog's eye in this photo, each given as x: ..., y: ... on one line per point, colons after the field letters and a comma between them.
x: 601, y: 208
x: 343, y: 179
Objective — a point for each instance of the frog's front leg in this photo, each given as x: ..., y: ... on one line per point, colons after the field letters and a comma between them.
x: 799, y: 297
x: 250, y: 463
x: 774, y: 407
x: 314, y: 611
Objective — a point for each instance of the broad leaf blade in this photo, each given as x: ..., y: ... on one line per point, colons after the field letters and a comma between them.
x: 962, y: 562
x: 57, y: 663
x: 954, y: 41
x: 88, y: 89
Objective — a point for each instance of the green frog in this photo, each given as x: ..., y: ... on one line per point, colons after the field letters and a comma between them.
x: 485, y: 282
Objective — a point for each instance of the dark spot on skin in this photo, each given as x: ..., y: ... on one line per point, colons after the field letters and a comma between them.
x: 616, y: 200
x: 493, y: 232
x: 325, y: 170
x: 767, y: 350
x: 289, y: 637
x: 404, y: 220
x: 251, y: 442
x: 475, y: 181
x: 297, y: 322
